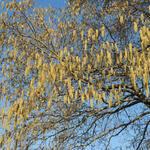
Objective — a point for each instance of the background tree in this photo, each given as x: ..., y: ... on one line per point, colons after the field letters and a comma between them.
x: 75, y: 77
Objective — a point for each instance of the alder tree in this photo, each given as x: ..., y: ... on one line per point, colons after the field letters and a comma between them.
x: 76, y: 77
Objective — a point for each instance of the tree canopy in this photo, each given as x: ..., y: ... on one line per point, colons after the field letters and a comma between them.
x: 75, y: 77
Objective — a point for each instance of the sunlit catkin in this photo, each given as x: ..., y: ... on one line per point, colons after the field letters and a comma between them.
x: 135, y: 27
x: 102, y: 31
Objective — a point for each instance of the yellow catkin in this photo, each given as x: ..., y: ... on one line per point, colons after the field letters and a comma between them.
x: 100, y: 99
x: 125, y: 53
x: 65, y: 50
x: 82, y: 35
x: 75, y: 35
x: 85, y: 45
x: 85, y: 90
x: 130, y: 47
x: 93, y: 37
x: 2, y: 112
x: 39, y: 62
x: 133, y: 78
x: 69, y: 101
x: 80, y: 84
x: 84, y: 60
x: 148, y: 33
x: 147, y: 90
x: 87, y: 97
x: 92, y: 103
x: 102, y: 31
x: 8, y: 144
x: 82, y: 97
x: 9, y: 113
x: 98, y: 58
x: 144, y: 29
x: 65, y: 99
x: 15, y: 52
x: 32, y: 82
x: 141, y: 34
x: 90, y: 32
x: 49, y: 103
x: 2, y: 5
x: 121, y: 19
x: 92, y: 48
x: 61, y: 55
x: 110, y: 100
x: 120, y: 56
x: 109, y: 57
x: 135, y: 27
x: 76, y: 94
x: 142, y: 18
x: 103, y: 95
x: 71, y: 92
x: 116, y: 47
x: 27, y: 71
x: 96, y: 33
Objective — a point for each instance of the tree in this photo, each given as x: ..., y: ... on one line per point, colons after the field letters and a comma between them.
x: 75, y: 77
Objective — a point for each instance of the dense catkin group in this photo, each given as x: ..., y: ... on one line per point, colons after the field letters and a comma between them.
x: 88, y: 60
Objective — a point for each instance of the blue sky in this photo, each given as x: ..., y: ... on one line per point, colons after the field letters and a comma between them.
x: 54, y: 3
